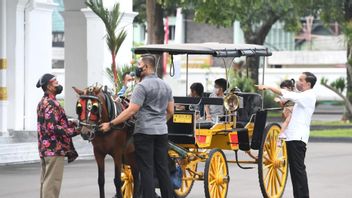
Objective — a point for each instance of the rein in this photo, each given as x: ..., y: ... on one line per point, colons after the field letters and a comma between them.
x: 89, y: 107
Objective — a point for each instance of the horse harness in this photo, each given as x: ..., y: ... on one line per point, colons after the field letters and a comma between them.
x: 93, y: 109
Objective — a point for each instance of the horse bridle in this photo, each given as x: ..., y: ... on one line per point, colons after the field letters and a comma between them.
x: 89, y: 107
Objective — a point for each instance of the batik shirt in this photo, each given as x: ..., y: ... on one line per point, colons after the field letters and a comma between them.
x: 54, y: 131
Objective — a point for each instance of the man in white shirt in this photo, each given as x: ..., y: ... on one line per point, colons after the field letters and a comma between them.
x: 297, y: 132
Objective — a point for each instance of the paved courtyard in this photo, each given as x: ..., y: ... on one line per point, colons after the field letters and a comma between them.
x: 329, y: 171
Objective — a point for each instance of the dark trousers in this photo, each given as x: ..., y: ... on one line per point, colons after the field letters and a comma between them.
x: 296, y: 152
x: 152, y: 159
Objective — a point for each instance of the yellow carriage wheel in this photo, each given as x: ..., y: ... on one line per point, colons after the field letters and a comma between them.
x: 187, y: 179
x: 272, y: 163
x: 127, y: 182
x: 216, y: 175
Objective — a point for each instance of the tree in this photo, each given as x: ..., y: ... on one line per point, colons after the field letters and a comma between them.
x: 341, y: 11
x: 154, y: 11
x: 256, y: 17
x: 338, y: 86
x: 111, y: 19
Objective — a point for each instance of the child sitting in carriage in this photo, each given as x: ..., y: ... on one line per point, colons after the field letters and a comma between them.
x: 287, y: 107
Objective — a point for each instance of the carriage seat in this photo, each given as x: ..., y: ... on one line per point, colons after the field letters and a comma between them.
x: 252, y: 102
x: 204, y: 124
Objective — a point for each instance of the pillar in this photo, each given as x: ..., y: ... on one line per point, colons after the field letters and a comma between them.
x: 3, y: 71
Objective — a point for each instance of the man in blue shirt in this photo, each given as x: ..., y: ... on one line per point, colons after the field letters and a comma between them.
x: 127, y: 81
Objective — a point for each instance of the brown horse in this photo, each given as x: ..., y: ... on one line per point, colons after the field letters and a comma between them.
x: 95, y: 106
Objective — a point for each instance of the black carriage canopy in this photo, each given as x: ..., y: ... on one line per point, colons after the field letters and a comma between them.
x: 214, y: 49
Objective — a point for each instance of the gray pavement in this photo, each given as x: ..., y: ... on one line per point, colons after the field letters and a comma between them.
x: 328, y: 164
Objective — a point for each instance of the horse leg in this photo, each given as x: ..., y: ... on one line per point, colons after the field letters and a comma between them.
x: 100, y: 159
x: 117, y: 178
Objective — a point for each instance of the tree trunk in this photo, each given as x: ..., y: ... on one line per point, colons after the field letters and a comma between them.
x: 348, y: 115
x: 348, y: 19
x: 257, y: 37
x: 253, y: 62
x: 155, y: 29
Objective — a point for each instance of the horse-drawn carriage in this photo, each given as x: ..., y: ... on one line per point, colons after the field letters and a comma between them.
x: 243, y: 128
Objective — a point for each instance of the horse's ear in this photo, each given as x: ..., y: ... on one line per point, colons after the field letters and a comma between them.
x: 78, y: 91
x: 97, y: 91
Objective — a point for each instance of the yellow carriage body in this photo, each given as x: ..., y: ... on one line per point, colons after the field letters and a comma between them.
x: 190, y: 143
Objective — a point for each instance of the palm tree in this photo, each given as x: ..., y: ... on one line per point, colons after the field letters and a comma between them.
x: 111, y: 19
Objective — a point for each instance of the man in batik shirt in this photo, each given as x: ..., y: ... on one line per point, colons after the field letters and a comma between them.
x: 54, y: 137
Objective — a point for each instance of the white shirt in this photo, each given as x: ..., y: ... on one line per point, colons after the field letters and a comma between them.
x: 299, y: 125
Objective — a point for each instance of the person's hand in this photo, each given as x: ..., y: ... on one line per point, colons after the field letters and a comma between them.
x: 208, y: 118
x: 261, y: 87
x: 277, y: 99
x: 105, y: 127
x: 73, y: 121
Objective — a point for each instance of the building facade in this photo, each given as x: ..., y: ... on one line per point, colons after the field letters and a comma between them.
x: 28, y: 50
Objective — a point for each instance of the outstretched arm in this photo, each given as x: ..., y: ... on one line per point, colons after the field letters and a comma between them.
x: 271, y: 88
x: 125, y: 115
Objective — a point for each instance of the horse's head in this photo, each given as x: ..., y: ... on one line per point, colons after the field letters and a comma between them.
x: 91, y: 110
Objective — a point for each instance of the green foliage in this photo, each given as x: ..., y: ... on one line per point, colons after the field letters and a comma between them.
x: 339, y: 84
x: 120, y: 71
x: 324, y: 81
x: 252, y: 14
x: 111, y: 20
x: 168, y: 6
x: 330, y: 123
x: 241, y: 82
x: 247, y: 85
x: 341, y: 11
x: 332, y: 133
x: 269, y: 100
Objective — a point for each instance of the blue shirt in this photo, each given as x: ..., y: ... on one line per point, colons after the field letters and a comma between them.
x: 122, y: 91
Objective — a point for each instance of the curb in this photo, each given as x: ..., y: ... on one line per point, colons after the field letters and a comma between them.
x: 327, y: 127
x: 331, y: 140
x: 34, y: 161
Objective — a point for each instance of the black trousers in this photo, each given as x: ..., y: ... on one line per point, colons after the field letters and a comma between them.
x: 152, y: 159
x: 296, y: 152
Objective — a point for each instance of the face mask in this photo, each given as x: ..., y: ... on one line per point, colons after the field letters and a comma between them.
x: 216, y: 91
x: 139, y: 71
x: 129, y: 84
x: 58, y: 89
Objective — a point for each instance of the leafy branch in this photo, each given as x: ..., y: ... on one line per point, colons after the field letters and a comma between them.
x: 111, y: 20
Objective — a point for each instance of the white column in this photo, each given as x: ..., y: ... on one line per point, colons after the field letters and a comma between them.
x: 38, y: 53
x: 75, y: 52
x: 180, y: 27
x: 238, y: 37
x: 124, y: 55
x: 96, y: 36
x: 86, y: 53
x: 83, y: 67
x: 15, y: 54
x: 3, y: 68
